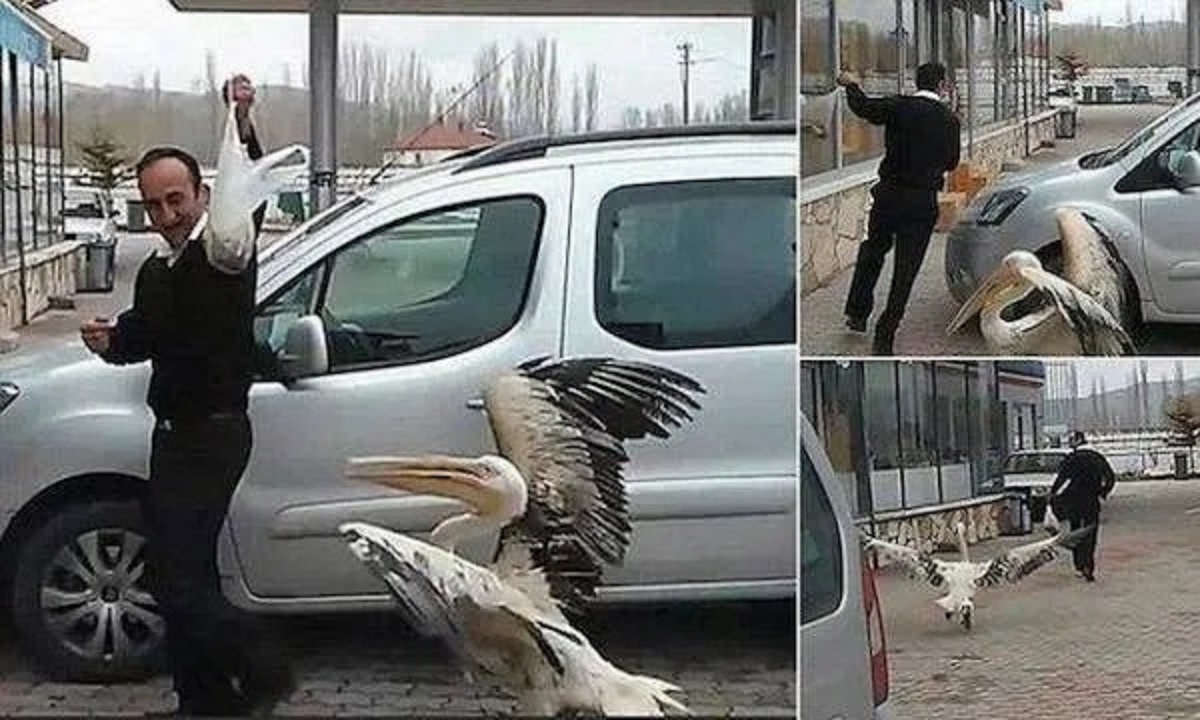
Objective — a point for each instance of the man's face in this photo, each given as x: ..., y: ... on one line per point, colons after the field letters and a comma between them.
x: 171, y: 200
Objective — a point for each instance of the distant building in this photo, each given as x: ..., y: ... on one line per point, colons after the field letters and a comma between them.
x: 910, y: 437
x: 431, y: 144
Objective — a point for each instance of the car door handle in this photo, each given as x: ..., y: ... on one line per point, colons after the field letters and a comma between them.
x: 475, y: 404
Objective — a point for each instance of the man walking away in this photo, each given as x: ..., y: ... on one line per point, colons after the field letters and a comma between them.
x: 923, y: 140
x: 1084, y: 477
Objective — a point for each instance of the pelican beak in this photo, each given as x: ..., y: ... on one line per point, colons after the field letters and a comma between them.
x: 997, y: 285
x: 449, y: 477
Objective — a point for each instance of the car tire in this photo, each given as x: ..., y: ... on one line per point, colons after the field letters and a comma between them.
x: 79, y: 600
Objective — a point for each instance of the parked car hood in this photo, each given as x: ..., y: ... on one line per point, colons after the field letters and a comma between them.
x: 55, y: 361
x: 82, y: 226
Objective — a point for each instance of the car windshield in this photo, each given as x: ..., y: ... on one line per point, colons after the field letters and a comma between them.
x: 83, y: 206
x: 1033, y: 463
x: 1141, y: 137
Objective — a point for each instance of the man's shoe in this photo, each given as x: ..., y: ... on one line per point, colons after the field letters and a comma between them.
x: 1089, y: 576
x: 856, y: 325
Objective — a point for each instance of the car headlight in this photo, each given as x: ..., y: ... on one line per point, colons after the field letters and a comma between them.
x: 8, y: 393
x: 1000, y: 205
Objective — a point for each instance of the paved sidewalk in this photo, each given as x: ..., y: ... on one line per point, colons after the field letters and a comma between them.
x: 1055, y: 647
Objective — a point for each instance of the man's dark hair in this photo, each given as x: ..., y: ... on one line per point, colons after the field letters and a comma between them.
x: 930, y: 75
x: 153, y: 155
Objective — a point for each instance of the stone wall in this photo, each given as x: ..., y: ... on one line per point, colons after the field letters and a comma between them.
x: 833, y: 223
x: 49, y: 273
x: 931, y: 529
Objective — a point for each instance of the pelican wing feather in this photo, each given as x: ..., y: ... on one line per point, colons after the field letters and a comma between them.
x: 918, y: 565
x: 562, y: 424
x: 1019, y: 562
x: 1098, y: 331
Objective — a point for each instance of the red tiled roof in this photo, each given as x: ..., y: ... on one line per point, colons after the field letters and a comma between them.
x: 443, y: 137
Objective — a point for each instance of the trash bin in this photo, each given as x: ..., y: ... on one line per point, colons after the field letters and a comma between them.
x: 1064, y: 123
x: 1181, y: 465
x: 1016, y: 507
x: 95, y: 273
x: 135, y: 216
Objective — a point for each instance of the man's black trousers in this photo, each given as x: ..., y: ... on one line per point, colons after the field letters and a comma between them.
x: 1085, y: 551
x: 222, y: 659
x: 903, y: 218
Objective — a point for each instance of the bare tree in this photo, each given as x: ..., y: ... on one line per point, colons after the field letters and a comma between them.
x: 592, y: 98
x: 1183, y: 418
x: 576, y: 104
x: 487, y: 103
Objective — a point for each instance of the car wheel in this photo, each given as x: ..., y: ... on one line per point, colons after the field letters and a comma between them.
x: 80, y: 603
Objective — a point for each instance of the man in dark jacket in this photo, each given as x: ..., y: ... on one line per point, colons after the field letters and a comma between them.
x: 922, y: 143
x: 192, y: 318
x: 1084, y: 477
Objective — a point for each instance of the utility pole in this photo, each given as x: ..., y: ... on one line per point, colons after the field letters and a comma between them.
x: 686, y: 62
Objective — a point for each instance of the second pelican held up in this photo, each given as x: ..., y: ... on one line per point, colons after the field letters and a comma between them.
x: 1024, y: 309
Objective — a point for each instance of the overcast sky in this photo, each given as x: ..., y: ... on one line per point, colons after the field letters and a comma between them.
x: 1118, y: 372
x: 636, y: 57
x: 1113, y: 11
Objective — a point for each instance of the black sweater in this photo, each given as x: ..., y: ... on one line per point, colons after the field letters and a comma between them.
x: 923, y: 137
x: 195, y: 324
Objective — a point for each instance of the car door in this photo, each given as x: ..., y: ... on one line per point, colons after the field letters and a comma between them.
x: 689, y: 263
x: 1168, y: 218
x: 423, y: 305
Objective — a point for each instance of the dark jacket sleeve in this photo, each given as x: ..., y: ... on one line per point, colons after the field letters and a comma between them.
x: 877, y: 111
x: 954, y: 142
x: 130, y: 340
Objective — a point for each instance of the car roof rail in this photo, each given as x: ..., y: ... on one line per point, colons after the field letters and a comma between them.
x: 533, y: 147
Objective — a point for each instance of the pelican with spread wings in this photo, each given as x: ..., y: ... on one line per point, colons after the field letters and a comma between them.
x: 556, y: 494
x: 1024, y: 309
x: 961, y: 579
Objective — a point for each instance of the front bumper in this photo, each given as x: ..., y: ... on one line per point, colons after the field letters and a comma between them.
x: 972, y: 253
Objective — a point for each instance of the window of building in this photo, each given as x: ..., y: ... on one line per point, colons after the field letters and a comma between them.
x: 955, y: 53
x: 911, y: 37
x: 432, y: 286
x: 670, y: 256
x: 821, y: 581
x: 918, y: 433
x: 841, y: 399
x: 983, y: 62
x: 868, y: 46
x: 883, y: 433
x: 818, y: 96
x: 953, y: 431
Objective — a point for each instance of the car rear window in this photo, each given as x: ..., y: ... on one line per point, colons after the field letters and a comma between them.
x: 821, y: 581
x: 1033, y: 463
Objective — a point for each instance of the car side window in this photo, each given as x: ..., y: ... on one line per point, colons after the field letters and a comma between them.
x: 698, y: 264
x: 431, y: 286
x: 821, y: 581
x: 1169, y: 155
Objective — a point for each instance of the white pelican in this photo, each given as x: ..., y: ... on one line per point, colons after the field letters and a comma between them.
x: 558, y: 499
x: 960, y: 579
x: 1025, y: 310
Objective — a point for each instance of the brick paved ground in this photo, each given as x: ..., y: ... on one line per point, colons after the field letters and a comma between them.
x: 932, y: 307
x: 1123, y: 648
x: 732, y: 660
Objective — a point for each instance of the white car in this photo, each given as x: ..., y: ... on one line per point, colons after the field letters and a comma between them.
x: 88, y: 216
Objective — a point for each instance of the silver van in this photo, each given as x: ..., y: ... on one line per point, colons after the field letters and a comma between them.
x: 379, y: 323
x: 1142, y: 194
x: 843, y: 653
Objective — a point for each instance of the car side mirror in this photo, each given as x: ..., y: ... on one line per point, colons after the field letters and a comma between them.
x: 1187, y: 170
x: 305, y: 352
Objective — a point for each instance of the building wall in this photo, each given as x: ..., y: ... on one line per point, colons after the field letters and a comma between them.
x: 934, y: 530
x: 49, y: 273
x: 833, y: 211
x: 903, y: 437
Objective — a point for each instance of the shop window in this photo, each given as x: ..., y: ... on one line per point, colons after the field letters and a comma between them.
x: 868, y: 47
x: 818, y: 98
